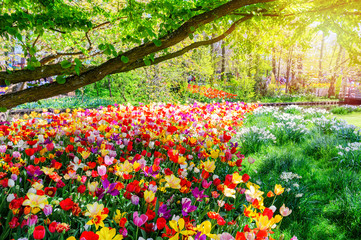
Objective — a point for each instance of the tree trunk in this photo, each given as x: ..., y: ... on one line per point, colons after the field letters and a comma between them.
x: 213, y: 59
x: 274, y: 69
x: 288, y: 68
x: 321, y: 57
x: 223, y: 63
x: 279, y: 66
x: 331, y: 89
x: 96, y: 88
x: 110, y: 86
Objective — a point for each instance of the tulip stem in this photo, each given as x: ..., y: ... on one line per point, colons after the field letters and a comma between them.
x: 136, y: 234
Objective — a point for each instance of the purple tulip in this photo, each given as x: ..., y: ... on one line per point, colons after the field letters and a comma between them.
x: 200, y: 236
x: 32, y: 220
x: 139, y: 221
x: 163, y: 212
x: 198, y: 194
x: 187, y: 207
x: 135, y: 199
x: 48, y: 209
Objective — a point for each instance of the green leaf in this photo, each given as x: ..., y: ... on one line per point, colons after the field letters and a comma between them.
x: 18, y: 36
x: 8, y: 71
x: 147, y: 62
x: 7, y: 82
x: 12, y: 31
x: 108, y: 51
x: 192, y: 28
x: 61, y: 79
x: 77, y: 62
x: 65, y: 64
x: 191, y: 36
x: 102, y: 47
x: 77, y: 69
x: 3, y: 109
x: 39, y: 102
x: 157, y: 42
x: 151, y: 56
x: 124, y: 59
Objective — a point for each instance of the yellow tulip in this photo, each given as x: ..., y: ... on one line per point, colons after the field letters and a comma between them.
x: 205, y: 228
x: 108, y: 234
x: 229, y: 192
x: 279, y: 189
x: 215, y: 153
x: 236, y: 178
x: 172, y: 182
x: 178, y: 227
x: 209, y: 166
x: 149, y: 196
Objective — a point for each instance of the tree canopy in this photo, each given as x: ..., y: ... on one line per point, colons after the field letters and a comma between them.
x: 83, y: 41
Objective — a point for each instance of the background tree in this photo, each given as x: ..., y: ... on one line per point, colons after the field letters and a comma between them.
x: 82, y: 42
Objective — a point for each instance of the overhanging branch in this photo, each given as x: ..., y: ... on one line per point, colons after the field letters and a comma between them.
x: 116, y: 64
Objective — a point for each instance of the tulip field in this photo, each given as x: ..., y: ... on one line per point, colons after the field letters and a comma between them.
x: 124, y: 172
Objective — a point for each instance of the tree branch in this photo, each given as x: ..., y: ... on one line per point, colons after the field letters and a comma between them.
x: 140, y: 64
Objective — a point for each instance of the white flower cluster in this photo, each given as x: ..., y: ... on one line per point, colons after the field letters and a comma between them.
x: 329, y: 124
x: 287, y: 117
x: 293, y: 108
x: 290, y: 127
x: 351, y: 108
x: 316, y: 112
x: 260, y: 134
x: 287, y: 176
x: 351, y: 147
x: 265, y: 111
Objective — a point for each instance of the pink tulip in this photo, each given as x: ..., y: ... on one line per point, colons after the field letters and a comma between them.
x: 285, y: 211
x: 226, y: 236
x: 139, y: 221
x: 206, y: 184
x: 102, y: 170
x: 108, y: 160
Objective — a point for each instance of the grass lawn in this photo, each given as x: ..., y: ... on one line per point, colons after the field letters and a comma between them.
x: 299, y: 149
x: 352, y: 118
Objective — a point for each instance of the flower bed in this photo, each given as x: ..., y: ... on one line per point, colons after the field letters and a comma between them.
x: 211, y: 93
x: 156, y: 171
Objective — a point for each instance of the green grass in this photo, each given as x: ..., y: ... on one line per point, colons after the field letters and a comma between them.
x: 352, y: 118
x: 330, y: 205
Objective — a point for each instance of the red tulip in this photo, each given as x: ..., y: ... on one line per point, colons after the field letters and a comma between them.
x: 39, y: 232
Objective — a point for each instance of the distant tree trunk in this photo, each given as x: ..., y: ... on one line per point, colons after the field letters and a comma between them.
x: 223, y: 63
x: 110, y: 86
x: 321, y: 56
x: 331, y: 89
x: 274, y: 69
x: 300, y: 71
x: 96, y: 88
x: 213, y: 59
x: 279, y: 66
x: 288, y: 68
